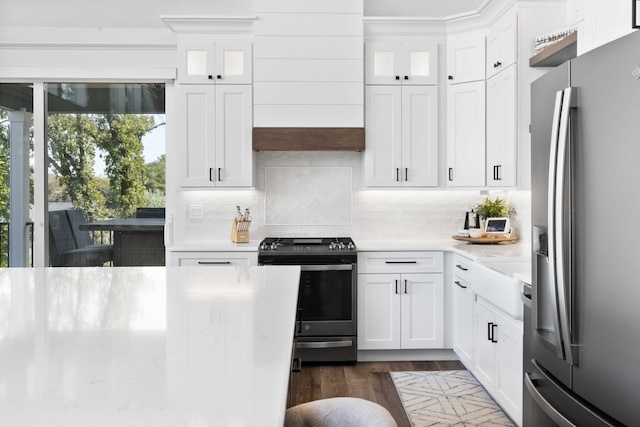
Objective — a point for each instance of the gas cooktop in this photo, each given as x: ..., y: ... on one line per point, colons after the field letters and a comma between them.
x: 307, y: 244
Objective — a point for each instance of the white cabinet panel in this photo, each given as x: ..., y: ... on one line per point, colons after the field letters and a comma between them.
x: 466, y: 134
x: 196, y: 110
x: 502, y: 43
x: 383, y: 124
x: 401, y: 136
x: 399, y: 309
x: 378, y: 311
x: 234, y: 155
x: 463, y: 336
x: 502, y: 101
x: 213, y: 259
x: 214, y: 121
x: 401, y: 262
x: 419, y: 167
x: 421, y: 308
x: 498, y: 357
x: 465, y: 58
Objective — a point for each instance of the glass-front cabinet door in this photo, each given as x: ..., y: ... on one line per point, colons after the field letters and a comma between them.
x: 203, y: 60
x: 401, y: 63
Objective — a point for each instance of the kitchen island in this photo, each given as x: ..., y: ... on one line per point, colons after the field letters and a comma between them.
x: 146, y: 346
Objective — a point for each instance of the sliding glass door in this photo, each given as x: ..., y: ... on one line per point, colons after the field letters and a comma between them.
x: 106, y: 162
x: 16, y: 161
x: 99, y: 154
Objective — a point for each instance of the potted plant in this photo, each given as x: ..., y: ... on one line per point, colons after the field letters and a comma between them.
x: 498, y: 208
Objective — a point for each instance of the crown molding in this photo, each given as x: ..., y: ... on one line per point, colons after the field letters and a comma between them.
x: 208, y: 24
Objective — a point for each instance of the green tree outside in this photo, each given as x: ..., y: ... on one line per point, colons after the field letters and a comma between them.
x: 74, y: 140
x: 4, y: 187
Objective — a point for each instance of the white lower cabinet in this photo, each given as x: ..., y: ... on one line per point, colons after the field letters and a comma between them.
x: 498, y: 357
x: 463, y: 336
x: 213, y: 258
x: 399, y: 310
x: 462, y: 306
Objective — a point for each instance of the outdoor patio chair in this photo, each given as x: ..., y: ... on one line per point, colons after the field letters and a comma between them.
x: 70, y: 249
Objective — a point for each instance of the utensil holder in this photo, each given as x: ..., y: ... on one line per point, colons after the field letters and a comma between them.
x: 240, y: 231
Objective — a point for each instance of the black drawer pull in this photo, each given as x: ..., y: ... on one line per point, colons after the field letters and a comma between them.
x: 401, y: 262
x: 462, y: 268
x: 214, y: 262
x: 460, y: 284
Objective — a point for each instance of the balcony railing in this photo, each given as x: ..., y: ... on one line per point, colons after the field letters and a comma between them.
x: 4, y: 243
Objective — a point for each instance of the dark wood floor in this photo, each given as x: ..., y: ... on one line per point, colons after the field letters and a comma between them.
x: 367, y: 380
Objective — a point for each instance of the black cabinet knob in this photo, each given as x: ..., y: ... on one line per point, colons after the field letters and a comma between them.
x: 397, y: 77
x: 210, y: 77
x: 450, y: 77
x: 219, y: 77
x: 406, y: 77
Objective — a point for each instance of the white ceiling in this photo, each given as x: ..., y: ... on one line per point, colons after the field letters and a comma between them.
x: 145, y: 13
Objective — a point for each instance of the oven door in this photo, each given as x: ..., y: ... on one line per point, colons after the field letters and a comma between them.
x: 327, y: 300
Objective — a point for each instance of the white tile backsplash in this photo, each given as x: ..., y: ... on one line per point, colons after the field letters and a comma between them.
x: 375, y: 214
x: 308, y: 195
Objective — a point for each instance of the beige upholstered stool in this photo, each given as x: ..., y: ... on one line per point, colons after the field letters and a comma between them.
x: 339, y: 412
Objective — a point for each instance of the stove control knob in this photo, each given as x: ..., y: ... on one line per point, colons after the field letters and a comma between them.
x: 333, y: 246
x: 264, y: 246
x: 351, y: 246
x: 274, y: 246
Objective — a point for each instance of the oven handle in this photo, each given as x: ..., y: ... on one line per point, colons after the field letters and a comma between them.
x: 324, y: 344
x: 325, y: 267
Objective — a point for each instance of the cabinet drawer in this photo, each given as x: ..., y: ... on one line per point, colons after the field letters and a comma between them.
x: 214, y: 259
x: 462, y: 268
x: 400, y: 262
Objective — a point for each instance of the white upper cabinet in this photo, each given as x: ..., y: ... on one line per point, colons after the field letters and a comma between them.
x: 401, y: 63
x: 502, y: 43
x: 203, y: 60
x: 466, y: 58
x: 216, y: 125
x: 501, y: 128
x: 401, y: 137
x: 466, y: 134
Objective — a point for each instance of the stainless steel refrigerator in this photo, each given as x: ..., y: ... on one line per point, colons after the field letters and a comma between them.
x: 584, y: 368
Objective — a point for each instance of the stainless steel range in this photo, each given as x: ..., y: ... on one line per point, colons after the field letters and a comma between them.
x: 326, y: 328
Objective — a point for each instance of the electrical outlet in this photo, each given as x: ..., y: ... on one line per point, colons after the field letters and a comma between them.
x: 196, y: 211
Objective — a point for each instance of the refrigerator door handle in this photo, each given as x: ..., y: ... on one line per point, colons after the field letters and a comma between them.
x: 551, y: 219
x: 552, y: 412
x: 563, y: 261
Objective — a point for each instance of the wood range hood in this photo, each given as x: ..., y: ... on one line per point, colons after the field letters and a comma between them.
x: 308, y: 139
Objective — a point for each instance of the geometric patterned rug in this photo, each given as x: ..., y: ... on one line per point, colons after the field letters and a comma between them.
x: 447, y: 398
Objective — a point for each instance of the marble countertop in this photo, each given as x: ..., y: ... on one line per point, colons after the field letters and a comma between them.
x: 473, y: 251
x: 146, y: 346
